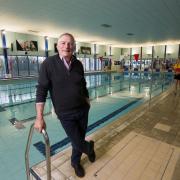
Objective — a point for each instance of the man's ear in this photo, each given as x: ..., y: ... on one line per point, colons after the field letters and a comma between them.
x: 74, y: 48
x: 57, y: 47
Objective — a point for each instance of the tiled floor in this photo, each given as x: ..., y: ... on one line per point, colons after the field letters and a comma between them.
x: 142, y: 145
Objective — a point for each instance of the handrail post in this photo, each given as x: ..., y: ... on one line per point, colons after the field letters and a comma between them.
x: 48, y: 155
x: 47, y: 144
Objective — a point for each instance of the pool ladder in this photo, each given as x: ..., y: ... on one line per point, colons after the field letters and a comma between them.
x: 47, y: 144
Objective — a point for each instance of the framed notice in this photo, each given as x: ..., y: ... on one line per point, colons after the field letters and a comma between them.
x: 85, y: 50
x: 26, y: 45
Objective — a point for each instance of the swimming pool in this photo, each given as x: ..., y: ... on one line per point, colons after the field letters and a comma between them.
x: 112, y: 95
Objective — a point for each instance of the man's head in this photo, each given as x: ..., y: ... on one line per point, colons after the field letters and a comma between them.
x: 66, y: 45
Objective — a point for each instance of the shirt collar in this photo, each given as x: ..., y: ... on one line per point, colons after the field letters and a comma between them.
x: 65, y: 62
x: 72, y: 58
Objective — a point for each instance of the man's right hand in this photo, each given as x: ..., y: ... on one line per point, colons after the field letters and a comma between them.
x: 39, y: 124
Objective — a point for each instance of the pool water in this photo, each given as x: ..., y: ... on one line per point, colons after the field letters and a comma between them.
x: 112, y: 95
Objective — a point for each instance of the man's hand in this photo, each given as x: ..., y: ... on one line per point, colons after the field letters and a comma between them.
x: 39, y: 124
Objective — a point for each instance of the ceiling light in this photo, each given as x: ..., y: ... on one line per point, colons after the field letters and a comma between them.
x: 33, y: 31
x: 3, y: 31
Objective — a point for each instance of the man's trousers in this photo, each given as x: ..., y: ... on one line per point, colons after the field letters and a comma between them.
x: 75, y: 125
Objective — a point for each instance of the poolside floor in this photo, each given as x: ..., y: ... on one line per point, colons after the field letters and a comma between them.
x: 142, y: 145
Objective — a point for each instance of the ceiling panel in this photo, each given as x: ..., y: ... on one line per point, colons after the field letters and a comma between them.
x: 155, y: 21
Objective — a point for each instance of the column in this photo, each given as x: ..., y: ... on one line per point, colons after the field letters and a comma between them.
x: 130, y: 58
x: 110, y: 51
x: 3, y: 36
x: 46, y: 46
x: 110, y: 59
x: 95, y: 54
x: 165, y: 52
x: 152, y: 58
x: 141, y: 59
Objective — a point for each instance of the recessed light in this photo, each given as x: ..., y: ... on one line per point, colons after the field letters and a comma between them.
x: 92, y: 41
x: 33, y: 31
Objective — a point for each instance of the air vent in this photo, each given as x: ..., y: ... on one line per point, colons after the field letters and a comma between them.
x: 129, y: 34
x: 106, y: 25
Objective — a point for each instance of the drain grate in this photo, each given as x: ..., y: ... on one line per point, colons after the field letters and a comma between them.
x: 162, y: 127
x: 17, y: 124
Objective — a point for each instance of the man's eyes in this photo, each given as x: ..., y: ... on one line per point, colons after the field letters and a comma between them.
x: 70, y: 44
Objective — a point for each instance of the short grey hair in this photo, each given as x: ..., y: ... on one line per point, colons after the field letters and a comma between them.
x: 67, y: 34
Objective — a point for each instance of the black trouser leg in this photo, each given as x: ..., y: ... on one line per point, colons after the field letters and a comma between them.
x: 75, y: 125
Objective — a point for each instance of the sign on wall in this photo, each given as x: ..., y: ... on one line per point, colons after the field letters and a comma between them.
x: 26, y: 45
x: 85, y: 50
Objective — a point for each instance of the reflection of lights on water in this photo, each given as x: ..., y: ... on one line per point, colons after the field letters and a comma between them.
x: 107, y: 90
x: 52, y: 110
x: 97, y: 96
x: 132, y: 90
x: 146, y: 90
x: 110, y: 90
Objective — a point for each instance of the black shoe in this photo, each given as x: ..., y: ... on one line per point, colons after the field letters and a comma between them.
x: 79, y: 170
x: 92, y: 155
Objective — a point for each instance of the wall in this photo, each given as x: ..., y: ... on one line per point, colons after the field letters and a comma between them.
x: 11, y: 38
x: 51, y: 45
x: 102, y: 50
x: 159, y: 51
x: 172, y: 51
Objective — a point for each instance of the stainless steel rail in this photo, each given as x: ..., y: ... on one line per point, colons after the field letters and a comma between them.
x: 47, y: 143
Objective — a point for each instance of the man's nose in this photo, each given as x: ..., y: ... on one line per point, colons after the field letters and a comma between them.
x: 67, y: 45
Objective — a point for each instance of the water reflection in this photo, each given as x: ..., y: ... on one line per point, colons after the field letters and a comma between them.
x: 98, y: 85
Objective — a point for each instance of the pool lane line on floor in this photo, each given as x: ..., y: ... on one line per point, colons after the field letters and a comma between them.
x: 40, y: 146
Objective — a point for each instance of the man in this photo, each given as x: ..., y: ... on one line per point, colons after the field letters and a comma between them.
x: 63, y: 76
x: 176, y: 69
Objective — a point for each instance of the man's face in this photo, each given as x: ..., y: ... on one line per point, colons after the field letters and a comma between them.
x: 65, y: 46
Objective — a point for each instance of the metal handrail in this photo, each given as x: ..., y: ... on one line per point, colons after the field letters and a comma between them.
x: 47, y: 143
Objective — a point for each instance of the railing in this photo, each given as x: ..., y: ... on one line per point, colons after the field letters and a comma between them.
x: 47, y: 143
x: 29, y: 65
x: 98, y: 85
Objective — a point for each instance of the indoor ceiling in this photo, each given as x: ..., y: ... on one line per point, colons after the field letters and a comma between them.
x: 114, y: 22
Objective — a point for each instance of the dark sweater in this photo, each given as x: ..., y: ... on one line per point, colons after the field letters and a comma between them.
x: 67, y: 87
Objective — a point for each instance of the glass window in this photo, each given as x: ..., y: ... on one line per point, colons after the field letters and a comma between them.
x: 13, y: 66
x: 23, y: 63
x: 92, y: 68
x: 33, y: 65
x: 87, y: 64
x: 40, y: 60
x: 2, y: 67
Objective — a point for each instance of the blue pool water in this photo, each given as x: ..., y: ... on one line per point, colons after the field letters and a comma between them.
x: 112, y: 95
